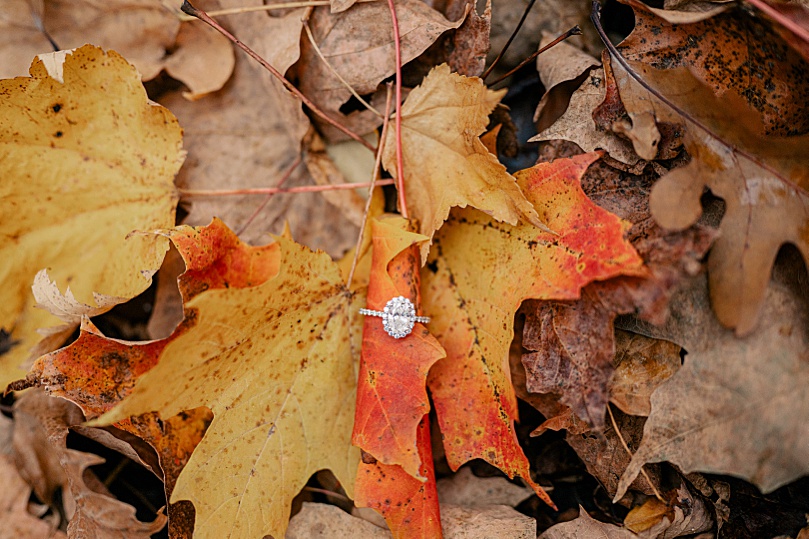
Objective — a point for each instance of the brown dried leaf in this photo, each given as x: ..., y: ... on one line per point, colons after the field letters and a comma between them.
x: 465, y: 488
x: 577, y: 124
x: 91, y: 515
x: 470, y: 42
x: 358, y: 44
x: 562, y: 70
x: 586, y: 526
x: 641, y: 365
x: 737, y: 405
x: 142, y: 31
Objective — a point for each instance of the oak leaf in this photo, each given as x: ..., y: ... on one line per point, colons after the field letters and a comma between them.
x: 87, y: 159
x: 736, y: 405
x: 445, y: 163
x: 738, y: 152
x: 392, y: 388
x: 471, y: 292
x: 268, y: 360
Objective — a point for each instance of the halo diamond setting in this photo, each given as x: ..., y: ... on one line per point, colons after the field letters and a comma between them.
x: 398, y: 317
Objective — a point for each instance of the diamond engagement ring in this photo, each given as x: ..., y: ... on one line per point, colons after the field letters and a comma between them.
x: 398, y: 317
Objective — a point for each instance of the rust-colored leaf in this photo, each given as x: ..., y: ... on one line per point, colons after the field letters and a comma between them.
x: 409, y: 505
x: 477, y: 275
x: 391, y: 392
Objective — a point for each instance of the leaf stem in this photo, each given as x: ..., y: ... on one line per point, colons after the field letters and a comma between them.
x: 397, y: 44
x: 626, y: 447
x: 276, y: 190
x: 510, y: 39
x: 575, y: 31
x: 201, y: 15
x: 374, y: 176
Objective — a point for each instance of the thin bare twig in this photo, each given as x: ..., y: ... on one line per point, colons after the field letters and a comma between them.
x: 276, y: 190
x: 623, y: 443
x: 201, y: 15
x: 334, y: 72
x: 510, y: 39
x: 397, y: 44
x: 575, y: 31
x: 374, y: 176
x: 284, y: 178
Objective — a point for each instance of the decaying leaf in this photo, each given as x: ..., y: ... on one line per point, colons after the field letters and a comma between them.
x: 641, y: 364
x: 273, y: 358
x: 392, y: 388
x: 142, y: 31
x: 445, y: 163
x: 319, y: 520
x: 358, y: 44
x: 87, y: 159
x: 735, y: 133
x: 471, y: 292
x: 18, y: 522
x: 90, y: 514
x: 736, y: 405
x: 249, y: 135
x: 577, y: 124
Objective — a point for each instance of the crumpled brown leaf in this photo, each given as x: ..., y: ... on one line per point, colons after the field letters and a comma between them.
x: 18, y: 522
x: 737, y: 405
x: 91, y: 514
x: 145, y: 32
x: 248, y: 135
x: 358, y: 44
x: 684, y: 514
x: 465, y: 488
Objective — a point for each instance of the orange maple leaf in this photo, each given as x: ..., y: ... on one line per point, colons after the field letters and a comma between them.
x: 479, y: 272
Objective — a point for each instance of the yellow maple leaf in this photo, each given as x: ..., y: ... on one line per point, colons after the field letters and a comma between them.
x: 445, y: 163
x: 86, y: 159
x: 275, y: 364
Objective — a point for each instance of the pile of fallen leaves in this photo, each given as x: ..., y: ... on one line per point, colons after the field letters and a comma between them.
x: 618, y: 335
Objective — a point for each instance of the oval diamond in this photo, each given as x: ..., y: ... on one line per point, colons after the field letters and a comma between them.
x: 399, y: 317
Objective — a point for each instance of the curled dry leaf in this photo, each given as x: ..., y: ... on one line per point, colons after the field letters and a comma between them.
x: 320, y: 520
x: 562, y: 69
x: 91, y: 514
x: 273, y: 357
x: 577, y: 124
x: 641, y: 365
x: 142, y: 31
x: 358, y: 44
x: 472, y: 295
x: 736, y: 405
x: 113, y: 155
x: 445, y: 163
x: 392, y: 388
x: 18, y: 522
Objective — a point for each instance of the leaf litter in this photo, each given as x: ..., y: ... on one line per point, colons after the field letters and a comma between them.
x: 618, y: 395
